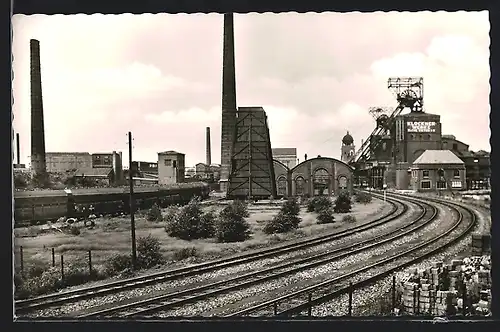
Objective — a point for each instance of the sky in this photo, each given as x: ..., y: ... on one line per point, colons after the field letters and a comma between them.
x: 316, y: 75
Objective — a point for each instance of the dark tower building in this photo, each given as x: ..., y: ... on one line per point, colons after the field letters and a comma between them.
x: 228, y: 101
x: 348, y: 149
x: 18, y: 149
x: 38, y: 165
x: 208, y: 148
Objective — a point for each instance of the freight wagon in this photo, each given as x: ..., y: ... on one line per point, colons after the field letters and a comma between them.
x: 41, y: 206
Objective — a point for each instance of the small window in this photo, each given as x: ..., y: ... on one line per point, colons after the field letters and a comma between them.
x: 174, y: 163
x: 456, y: 173
x: 455, y: 146
x: 420, y: 137
x: 168, y: 162
x: 428, y: 137
x: 441, y: 185
x: 384, y: 146
x: 456, y: 184
x: 425, y: 174
x: 425, y: 184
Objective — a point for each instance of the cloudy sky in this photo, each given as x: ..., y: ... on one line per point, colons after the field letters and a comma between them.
x: 316, y: 75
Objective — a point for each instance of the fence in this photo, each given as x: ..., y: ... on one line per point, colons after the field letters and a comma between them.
x: 56, y: 260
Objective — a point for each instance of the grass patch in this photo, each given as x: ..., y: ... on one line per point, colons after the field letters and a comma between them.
x: 111, y: 237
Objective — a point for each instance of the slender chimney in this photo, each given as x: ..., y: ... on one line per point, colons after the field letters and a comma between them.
x: 18, y: 148
x: 38, y: 165
x: 209, y: 148
x: 228, y: 101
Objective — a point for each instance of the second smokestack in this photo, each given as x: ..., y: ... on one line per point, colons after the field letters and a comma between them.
x: 208, y: 148
x: 18, y: 148
x: 38, y: 165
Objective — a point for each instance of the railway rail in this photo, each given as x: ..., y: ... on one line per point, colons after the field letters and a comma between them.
x: 398, y: 209
x: 168, y: 301
x: 330, y: 289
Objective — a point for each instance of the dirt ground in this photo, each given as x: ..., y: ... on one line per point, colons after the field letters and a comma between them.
x: 112, y: 235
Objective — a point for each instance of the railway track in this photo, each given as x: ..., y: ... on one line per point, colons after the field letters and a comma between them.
x: 172, y: 300
x: 398, y: 209
x: 299, y: 301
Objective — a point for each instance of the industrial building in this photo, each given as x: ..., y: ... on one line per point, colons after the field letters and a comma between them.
x: 171, y: 167
x: 145, y: 168
x: 437, y: 170
x: 61, y: 162
x: 313, y: 177
x: 391, y: 154
x: 287, y: 156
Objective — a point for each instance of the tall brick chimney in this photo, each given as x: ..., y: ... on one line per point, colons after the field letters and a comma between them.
x: 18, y: 149
x: 228, y: 101
x: 208, y: 148
x: 38, y: 165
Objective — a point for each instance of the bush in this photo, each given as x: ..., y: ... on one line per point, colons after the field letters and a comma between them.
x: 118, y: 263
x: 231, y: 226
x: 154, y: 213
x: 286, y: 220
x: 325, y: 216
x: 349, y: 218
x: 316, y: 204
x: 185, y: 253
x: 148, y: 252
x: 363, y: 197
x: 189, y: 222
x: 20, y: 181
x: 78, y: 273
x: 240, y: 208
x: 343, y: 203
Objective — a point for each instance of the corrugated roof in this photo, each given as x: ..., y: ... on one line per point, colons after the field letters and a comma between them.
x: 438, y: 157
x: 170, y: 152
x: 284, y: 151
x: 94, y: 172
x: 68, y: 153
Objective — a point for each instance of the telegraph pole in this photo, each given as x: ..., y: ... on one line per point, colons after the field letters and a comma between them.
x: 132, y: 207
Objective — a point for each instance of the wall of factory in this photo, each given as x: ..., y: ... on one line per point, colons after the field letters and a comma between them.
x: 171, y: 168
x: 102, y: 160
x: 423, y: 132
x: 60, y: 162
x: 287, y: 156
x: 451, y: 143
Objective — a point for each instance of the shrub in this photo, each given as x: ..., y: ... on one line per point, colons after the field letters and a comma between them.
x: 231, y: 226
x: 240, y: 208
x: 78, y: 273
x: 118, y: 263
x: 189, y: 222
x: 148, y: 252
x: 207, y: 225
x: 185, y: 253
x: 41, y: 180
x: 291, y: 207
x: 343, y: 203
x: 286, y: 220
x: 318, y: 203
x: 281, y: 223
x: 325, y: 216
x: 349, y: 218
x: 363, y: 197
x: 154, y: 213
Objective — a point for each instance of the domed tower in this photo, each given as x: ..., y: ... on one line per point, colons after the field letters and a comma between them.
x: 348, y: 148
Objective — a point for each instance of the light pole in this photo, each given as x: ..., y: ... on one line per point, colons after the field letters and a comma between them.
x: 132, y: 207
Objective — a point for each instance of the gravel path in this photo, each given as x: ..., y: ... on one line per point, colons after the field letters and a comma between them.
x: 211, y: 277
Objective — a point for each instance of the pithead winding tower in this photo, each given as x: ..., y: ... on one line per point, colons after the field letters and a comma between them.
x: 228, y: 101
x: 38, y: 165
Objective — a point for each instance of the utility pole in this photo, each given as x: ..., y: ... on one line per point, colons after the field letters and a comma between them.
x: 132, y: 205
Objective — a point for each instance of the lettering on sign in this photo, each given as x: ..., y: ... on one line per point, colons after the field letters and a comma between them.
x: 421, y: 126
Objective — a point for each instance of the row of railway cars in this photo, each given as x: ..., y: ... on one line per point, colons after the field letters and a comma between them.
x: 40, y: 206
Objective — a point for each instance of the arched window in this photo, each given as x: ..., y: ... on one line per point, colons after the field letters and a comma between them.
x: 282, y: 186
x: 342, y: 182
x: 299, y: 186
x: 321, y: 180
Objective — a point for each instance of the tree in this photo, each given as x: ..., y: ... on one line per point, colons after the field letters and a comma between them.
x: 343, y: 203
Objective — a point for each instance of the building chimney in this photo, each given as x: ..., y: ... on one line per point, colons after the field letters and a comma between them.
x: 38, y: 164
x: 305, y: 156
x: 228, y: 101
x: 18, y: 149
x: 208, y: 148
